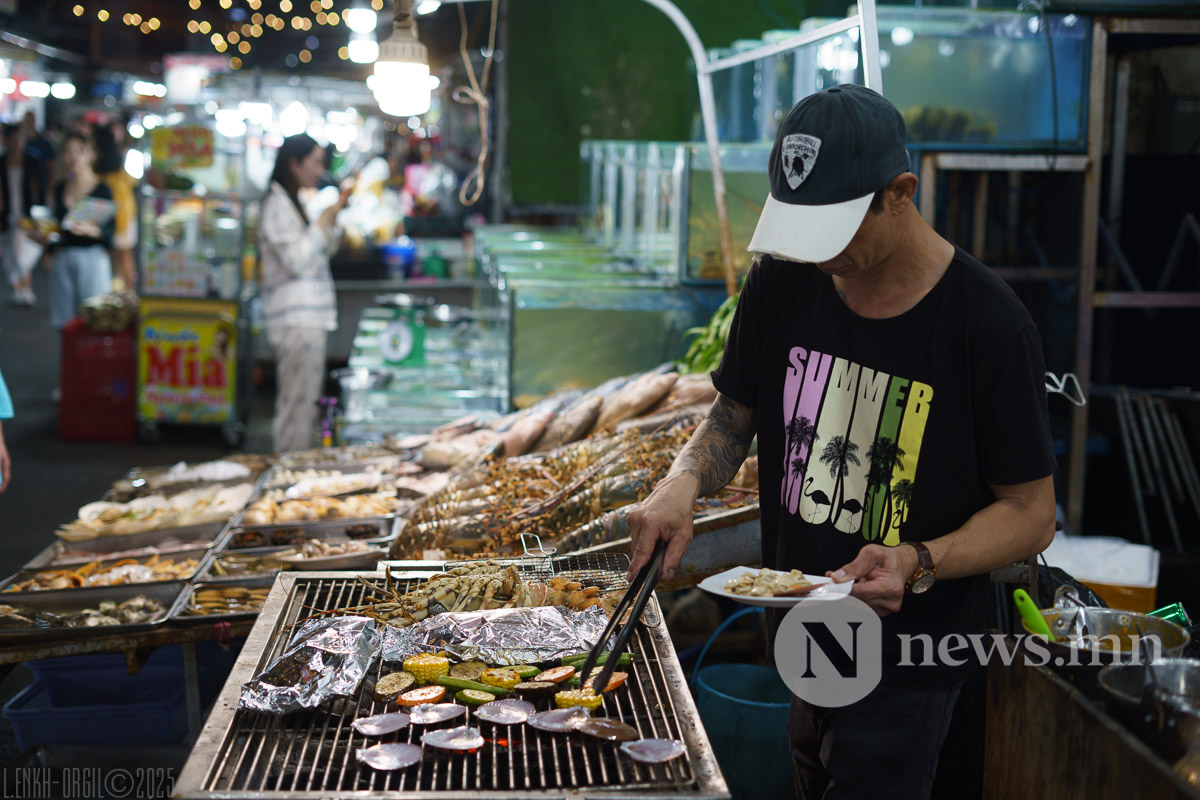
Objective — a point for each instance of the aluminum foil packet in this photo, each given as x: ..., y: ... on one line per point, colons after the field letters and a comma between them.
x: 503, y: 636
x: 327, y: 657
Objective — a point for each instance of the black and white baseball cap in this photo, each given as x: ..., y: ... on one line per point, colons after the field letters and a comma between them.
x: 835, y: 149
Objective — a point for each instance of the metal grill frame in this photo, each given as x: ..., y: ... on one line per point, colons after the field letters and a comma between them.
x: 698, y: 776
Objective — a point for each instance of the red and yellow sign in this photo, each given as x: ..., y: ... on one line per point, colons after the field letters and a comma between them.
x: 187, y: 357
x: 184, y: 146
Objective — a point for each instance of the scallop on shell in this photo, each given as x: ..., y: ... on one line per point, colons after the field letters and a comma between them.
x: 653, y: 751
x: 388, y: 757
x: 505, y: 712
x: 433, y: 713
x: 462, y: 739
x: 380, y: 724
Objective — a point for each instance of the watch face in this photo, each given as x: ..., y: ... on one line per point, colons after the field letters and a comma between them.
x: 923, y: 583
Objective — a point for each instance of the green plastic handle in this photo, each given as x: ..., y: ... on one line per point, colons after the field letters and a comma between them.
x: 1034, y: 620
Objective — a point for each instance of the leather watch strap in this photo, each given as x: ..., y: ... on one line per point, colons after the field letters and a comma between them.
x: 924, y: 557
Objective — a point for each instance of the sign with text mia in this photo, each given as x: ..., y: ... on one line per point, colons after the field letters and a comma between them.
x: 187, y: 352
x: 183, y: 146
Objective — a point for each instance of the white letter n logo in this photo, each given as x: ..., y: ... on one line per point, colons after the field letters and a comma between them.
x: 846, y: 663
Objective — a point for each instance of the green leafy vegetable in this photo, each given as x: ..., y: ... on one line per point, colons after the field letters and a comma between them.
x: 706, y: 349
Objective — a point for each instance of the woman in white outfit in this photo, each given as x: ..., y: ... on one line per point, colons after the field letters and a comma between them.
x: 297, y: 288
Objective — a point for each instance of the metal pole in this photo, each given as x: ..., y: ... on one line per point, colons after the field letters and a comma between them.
x: 1142, y: 408
x: 1087, y: 271
x: 869, y: 40
x: 1185, y: 456
x: 708, y: 110
x: 500, y: 153
x: 1135, y: 483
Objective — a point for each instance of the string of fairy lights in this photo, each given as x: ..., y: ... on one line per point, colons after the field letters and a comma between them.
x: 241, y: 22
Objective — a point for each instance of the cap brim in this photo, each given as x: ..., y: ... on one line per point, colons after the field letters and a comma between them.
x: 807, y: 233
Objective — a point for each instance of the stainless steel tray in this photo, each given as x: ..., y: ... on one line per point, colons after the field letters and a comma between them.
x: 73, y: 600
x: 201, y: 554
x: 387, y: 526
x: 207, y: 574
x: 185, y: 598
x: 102, y: 546
x: 346, y: 468
x: 331, y: 461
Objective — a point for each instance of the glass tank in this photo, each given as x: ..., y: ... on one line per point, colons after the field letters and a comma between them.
x: 577, y: 333
x: 745, y: 108
x: 966, y: 78
x: 746, y: 187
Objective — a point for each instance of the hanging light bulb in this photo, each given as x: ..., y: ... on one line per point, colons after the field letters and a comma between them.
x: 361, y: 19
x: 363, y: 48
x: 402, y: 72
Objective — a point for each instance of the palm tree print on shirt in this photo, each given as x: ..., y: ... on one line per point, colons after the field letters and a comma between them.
x: 886, y: 457
x: 837, y: 406
x: 902, y: 496
x: 801, y: 435
x: 838, y: 455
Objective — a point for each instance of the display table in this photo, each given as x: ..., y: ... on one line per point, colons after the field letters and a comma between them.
x: 1046, y: 738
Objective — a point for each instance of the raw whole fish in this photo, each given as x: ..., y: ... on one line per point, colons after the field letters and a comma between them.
x: 571, y: 425
x: 634, y: 399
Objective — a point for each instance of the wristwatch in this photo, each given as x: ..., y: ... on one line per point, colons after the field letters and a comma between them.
x: 923, y: 576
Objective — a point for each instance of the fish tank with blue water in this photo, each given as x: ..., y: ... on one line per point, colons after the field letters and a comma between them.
x: 970, y: 79
x: 963, y: 78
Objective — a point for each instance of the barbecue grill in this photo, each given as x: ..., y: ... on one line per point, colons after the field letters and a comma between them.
x: 310, y: 754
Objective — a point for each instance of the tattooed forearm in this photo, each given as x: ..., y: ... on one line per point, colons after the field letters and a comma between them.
x: 719, y: 446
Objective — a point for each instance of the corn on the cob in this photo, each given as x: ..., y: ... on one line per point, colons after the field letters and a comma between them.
x: 578, y: 697
x: 504, y: 678
x: 427, y: 666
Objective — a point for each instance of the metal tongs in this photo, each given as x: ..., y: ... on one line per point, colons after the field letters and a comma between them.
x: 642, y: 586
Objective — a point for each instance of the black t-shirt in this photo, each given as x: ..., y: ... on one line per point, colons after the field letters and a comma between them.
x: 68, y: 239
x: 883, y: 430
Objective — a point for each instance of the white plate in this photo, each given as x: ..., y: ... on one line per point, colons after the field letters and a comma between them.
x: 715, y: 584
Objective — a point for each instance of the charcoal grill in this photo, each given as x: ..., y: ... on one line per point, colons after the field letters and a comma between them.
x: 243, y: 754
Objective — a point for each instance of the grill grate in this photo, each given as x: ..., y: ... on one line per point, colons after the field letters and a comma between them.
x: 257, y: 755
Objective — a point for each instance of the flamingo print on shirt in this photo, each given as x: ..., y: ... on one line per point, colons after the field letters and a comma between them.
x: 852, y: 438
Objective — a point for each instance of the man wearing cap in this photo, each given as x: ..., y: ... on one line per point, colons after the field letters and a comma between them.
x: 896, y: 387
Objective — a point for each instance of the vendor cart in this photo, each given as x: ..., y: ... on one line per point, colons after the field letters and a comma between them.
x: 193, y: 336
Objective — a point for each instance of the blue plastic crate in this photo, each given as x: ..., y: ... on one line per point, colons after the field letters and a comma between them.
x: 213, y: 662
x: 152, y: 710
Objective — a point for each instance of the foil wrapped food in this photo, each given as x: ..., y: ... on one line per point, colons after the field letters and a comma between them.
x: 504, y: 636
x: 327, y: 657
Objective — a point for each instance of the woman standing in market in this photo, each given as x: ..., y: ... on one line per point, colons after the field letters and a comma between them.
x: 110, y: 165
x: 18, y: 195
x: 297, y: 287
x: 84, y: 208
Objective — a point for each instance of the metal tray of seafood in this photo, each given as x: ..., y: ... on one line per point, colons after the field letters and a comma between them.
x: 205, y: 535
x: 386, y: 527
x: 383, y: 465
x: 328, y: 458
x: 201, y: 554
x: 177, y: 614
x: 208, y: 575
x: 73, y: 601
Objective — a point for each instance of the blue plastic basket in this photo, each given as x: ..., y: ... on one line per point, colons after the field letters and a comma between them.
x: 150, y: 711
x: 744, y: 709
x: 214, y: 663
